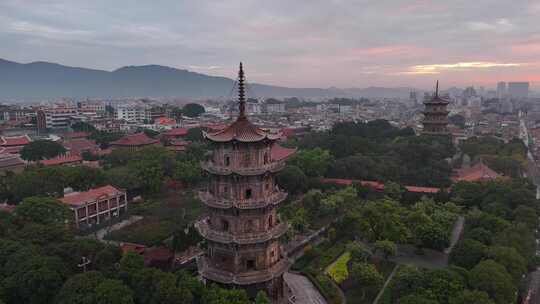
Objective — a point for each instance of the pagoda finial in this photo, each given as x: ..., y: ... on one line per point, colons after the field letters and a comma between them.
x: 437, y: 89
x: 241, y: 93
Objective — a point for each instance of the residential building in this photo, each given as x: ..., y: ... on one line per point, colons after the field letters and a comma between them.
x: 96, y: 206
x: 58, y: 117
x: 134, y: 112
x: 518, y: 89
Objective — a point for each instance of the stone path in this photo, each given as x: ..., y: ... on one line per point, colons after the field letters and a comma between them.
x: 456, y: 233
x: 100, y: 234
x: 381, y: 292
x: 304, y: 292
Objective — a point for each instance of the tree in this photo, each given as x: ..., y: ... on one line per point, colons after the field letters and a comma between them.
x: 472, y: 296
x: 194, y: 135
x: 386, y: 247
x: 393, y: 191
x: 366, y: 276
x: 215, y: 295
x: 432, y: 235
x: 80, y: 288
x: 41, y: 149
x: 407, y: 280
x: 192, y: 110
x: 359, y: 252
x: 113, y: 292
x: 292, y: 179
x: 43, y: 210
x: 188, y: 171
x: 31, y: 278
x: 467, y: 253
x: 81, y: 126
x: 262, y: 298
x: 491, y: 277
x: 417, y: 299
x: 514, y: 263
x: 313, y: 163
x: 380, y: 220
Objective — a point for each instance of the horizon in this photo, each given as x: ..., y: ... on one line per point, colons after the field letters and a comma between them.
x: 301, y: 45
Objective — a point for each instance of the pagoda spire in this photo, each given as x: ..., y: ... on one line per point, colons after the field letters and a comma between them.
x: 241, y: 93
x: 437, y: 89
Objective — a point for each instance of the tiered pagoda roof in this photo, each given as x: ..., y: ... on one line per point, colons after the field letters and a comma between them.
x: 242, y: 129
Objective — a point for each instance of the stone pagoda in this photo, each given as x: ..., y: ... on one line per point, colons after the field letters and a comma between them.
x: 243, y: 229
x: 436, y: 115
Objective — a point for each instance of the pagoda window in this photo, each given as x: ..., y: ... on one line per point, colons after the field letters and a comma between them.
x: 227, y: 160
x: 249, y: 226
x: 225, y: 225
x: 265, y: 158
x: 248, y: 193
x: 270, y: 221
x: 247, y: 159
x: 250, y: 264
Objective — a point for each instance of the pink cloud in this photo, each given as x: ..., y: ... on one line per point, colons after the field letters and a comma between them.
x: 531, y: 48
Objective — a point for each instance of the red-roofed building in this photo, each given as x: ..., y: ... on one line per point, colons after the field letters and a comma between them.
x: 132, y: 247
x: 13, y: 144
x: 97, y: 205
x: 476, y: 173
x: 80, y: 145
x: 11, y: 162
x: 63, y: 160
x: 177, y: 145
x: 175, y: 133
x: 134, y: 141
x: 75, y: 135
x: 377, y: 186
x: 165, y: 121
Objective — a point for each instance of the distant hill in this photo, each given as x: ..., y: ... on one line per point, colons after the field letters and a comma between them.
x: 49, y: 80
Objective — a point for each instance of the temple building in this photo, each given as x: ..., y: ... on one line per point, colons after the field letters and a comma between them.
x: 436, y: 115
x: 243, y: 229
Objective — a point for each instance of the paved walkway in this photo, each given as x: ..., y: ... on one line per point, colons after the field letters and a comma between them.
x: 381, y: 292
x: 304, y: 292
x: 100, y: 234
x: 456, y: 233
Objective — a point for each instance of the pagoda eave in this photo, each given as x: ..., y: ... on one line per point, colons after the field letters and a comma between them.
x: 214, y: 274
x: 213, y: 202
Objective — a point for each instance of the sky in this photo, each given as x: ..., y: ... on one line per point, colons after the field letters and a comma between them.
x: 299, y: 43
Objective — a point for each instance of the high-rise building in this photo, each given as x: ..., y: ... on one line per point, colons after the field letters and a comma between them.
x: 501, y: 89
x: 435, y: 115
x: 518, y: 89
x: 243, y: 229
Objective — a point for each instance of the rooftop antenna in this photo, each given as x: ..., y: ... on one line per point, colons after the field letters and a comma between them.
x: 437, y: 89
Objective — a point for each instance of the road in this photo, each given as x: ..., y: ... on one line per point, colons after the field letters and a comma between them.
x: 303, y: 290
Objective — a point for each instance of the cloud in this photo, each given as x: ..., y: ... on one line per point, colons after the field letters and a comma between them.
x: 459, y: 66
x: 502, y: 25
x: 209, y: 68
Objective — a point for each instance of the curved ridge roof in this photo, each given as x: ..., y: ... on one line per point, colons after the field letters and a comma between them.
x: 241, y: 130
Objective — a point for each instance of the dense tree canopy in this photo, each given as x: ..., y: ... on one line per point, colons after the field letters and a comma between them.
x: 41, y: 149
x: 192, y: 110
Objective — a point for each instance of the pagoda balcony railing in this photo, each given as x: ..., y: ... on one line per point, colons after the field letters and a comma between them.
x: 434, y: 121
x: 255, y: 170
x: 213, y: 273
x: 252, y: 203
x: 240, y: 238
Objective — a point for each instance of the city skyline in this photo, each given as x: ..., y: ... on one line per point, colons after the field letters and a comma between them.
x: 301, y: 44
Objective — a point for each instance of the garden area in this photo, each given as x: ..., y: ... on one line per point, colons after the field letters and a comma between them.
x: 163, y: 214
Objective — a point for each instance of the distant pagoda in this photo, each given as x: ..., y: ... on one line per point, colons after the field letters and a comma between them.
x: 243, y: 229
x: 436, y: 115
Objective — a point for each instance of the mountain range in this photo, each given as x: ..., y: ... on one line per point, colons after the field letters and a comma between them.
x: 40, y: 79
